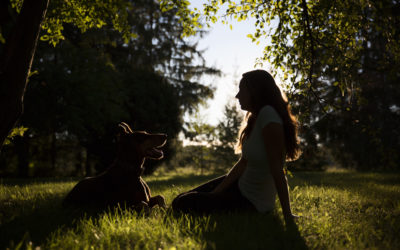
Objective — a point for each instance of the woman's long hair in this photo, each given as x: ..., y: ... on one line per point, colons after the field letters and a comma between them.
x: 264, y: 91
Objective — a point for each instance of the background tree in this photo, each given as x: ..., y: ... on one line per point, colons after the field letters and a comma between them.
x: 340, y: 62
x: 203, y: 138
x: 16, y: 59
x: 212, y: 147
x: 20, y: 25
x: 227, y: 134
x: 91, y: 81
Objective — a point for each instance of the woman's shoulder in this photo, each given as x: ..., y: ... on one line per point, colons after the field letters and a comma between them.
x: 269, y: 114
x: 268, y: 110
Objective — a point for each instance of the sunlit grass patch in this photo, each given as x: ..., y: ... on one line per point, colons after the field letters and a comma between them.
x: 348, y: 210
x: 127, y: 230
x: 338, y: 210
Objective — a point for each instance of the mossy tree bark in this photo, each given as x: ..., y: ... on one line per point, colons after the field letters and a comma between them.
x: 16, y: 61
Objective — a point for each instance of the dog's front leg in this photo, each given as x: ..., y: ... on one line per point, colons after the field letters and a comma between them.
x: 157, y: 200
x: 142, y: 207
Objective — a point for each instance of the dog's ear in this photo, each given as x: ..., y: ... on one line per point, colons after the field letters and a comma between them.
x: 122, y: 130
x: 126, y: 126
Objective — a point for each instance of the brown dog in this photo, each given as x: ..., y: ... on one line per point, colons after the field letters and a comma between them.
x: 121, y: 183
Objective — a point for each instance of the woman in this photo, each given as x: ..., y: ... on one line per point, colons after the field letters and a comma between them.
x: 267, y: 139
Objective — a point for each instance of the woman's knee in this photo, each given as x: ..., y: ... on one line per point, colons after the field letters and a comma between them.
x: 184, y: 202
x: 176, y: 203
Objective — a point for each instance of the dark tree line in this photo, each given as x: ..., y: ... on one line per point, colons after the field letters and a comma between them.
x: 80, y: 90
x: 354, y: 112
x: 340, y: 60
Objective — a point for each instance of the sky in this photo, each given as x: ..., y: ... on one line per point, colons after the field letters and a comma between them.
x: 232, y: 52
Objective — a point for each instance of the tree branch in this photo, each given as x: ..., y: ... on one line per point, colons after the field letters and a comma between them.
x: 307, y: 28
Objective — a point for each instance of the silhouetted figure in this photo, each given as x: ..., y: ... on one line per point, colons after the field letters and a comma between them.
x: 122, y: 183
x: 267, y: 138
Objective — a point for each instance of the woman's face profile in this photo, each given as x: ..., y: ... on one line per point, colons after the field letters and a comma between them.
x: 243, y: 96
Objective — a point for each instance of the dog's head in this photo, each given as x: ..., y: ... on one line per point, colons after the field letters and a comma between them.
x: 144, y: 144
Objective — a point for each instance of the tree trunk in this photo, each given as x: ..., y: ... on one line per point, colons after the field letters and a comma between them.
x: 16, y: 61
x: 53, y: 152
x: 22, y: 150
x: 88, y: 164
x: 79, y: 166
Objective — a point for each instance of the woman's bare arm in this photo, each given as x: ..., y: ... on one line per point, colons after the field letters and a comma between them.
x: 234, y: 174
x: 274, y: 141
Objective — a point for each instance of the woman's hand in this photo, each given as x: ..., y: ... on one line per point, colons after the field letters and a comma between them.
x: 234, y: 174
x: 291, y: 218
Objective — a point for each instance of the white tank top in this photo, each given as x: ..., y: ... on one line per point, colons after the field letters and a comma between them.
x: 256, y: 183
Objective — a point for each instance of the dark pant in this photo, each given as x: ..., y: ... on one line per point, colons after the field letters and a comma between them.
x: 200, y: 199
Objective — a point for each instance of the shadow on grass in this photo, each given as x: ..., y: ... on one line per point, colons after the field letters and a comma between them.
x: 252, y: 231
x: 191, y: 180
x: 347, y: 179
x: 367, y: 184
x: 37, y: 223
x: 10, y: 182
x: 242, y: 230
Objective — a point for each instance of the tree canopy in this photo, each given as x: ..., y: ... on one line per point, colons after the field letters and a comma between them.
x: 340, y: 30
x: 84, y: 15
x: 339, y: 61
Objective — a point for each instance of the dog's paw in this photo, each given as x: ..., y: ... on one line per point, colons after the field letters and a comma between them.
x: 159, y: 200
x: 142, y: 207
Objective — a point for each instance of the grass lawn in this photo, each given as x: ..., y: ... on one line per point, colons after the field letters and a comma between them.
x: 339, y: 210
